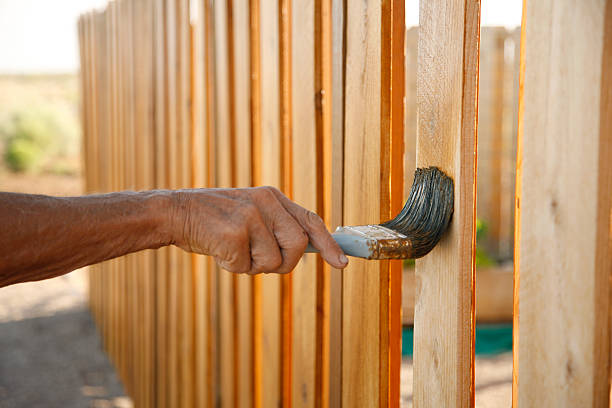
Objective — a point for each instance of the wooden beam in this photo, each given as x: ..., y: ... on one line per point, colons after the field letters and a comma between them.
x: 563, y: 206
x: 447, y: 81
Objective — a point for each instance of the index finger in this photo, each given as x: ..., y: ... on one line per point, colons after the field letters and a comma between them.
x: 318, y: 234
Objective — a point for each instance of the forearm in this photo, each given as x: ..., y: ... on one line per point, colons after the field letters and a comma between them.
x: 42, y: 237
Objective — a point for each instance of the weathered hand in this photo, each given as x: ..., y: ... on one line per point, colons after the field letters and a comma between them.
x: 251, y: 230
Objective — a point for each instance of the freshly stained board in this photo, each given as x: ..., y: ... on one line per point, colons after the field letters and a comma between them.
x: 563, y: 204
x: 447, y: 111
x: 305, y: 192
x: 372, y: 180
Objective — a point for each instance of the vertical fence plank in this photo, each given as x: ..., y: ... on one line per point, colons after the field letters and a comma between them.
x: 334, y: 193
x: 360, y: 297
x: 326, y: 181
x: 563, y: 204
x: 447, y: 105
x: 270, y: 175
x: 305, y: 192
x: 410, y: 108
x: 372, y: 190
x: 490, y: 134
x: 184, y: 136
x: 242, y: 172
x: 161, y: 257
x: 392, y: 196
x: 173, y: 181
x: 224, y: 145
x: 285, y: 18
x: 256, y: 173
x: 202, y: 161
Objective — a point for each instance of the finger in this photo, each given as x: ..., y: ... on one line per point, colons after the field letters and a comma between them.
x: 290, y: 236
x: 318, y: 234
x: 265, y: 254
x: 234, y: 257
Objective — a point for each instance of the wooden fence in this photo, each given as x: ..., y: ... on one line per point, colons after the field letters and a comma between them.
x: 308, y: 96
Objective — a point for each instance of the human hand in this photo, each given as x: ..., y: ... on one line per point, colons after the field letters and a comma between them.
x: 250, y: 230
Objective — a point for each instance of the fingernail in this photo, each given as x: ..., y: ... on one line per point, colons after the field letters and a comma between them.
x: 343, y: 259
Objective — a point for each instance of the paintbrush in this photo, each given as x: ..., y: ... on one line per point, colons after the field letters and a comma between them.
x: 414, y: 231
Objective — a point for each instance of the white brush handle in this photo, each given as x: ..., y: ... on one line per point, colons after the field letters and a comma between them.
x: 351, y: 244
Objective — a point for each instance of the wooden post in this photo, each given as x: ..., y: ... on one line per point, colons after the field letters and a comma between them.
x: 447, y: 116
x: 373, y: 178
x: 563, y: 204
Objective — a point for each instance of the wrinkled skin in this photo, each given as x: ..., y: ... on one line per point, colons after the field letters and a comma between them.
x: 250, y: 230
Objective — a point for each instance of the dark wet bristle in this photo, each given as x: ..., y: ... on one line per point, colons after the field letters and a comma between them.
x: 427, y: 212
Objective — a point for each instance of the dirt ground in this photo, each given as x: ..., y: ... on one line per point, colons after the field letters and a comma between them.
x: 51, y: 354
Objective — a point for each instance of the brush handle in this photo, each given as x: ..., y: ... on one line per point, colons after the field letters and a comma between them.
x: 351, y: 244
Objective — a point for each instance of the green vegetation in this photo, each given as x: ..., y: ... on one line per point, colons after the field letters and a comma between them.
x: 39, y: 125
x: 482, y: 257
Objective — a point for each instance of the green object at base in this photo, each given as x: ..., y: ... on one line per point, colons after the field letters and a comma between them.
x: 490, y: 339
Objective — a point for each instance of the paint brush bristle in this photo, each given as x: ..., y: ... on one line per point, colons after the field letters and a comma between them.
x: 414, y: 232
x: 427, y: 212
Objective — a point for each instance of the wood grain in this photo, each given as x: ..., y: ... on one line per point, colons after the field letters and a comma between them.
x: 183, y: 169
x: 160, y: 160
x: 333, y: 186
x: 324, y: 176
x: 447, y: 117
x: 493, y: 293
x: 270, y: 175
x: 305, y: 193
x: 201, y: 177
x: 563, y: 205
x: 256, y: 173
x: 242, y: 173
x: 224, y: 163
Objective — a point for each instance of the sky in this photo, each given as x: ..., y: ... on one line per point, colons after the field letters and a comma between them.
x: 40, y: 36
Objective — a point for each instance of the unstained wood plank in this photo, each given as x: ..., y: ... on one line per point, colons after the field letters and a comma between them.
x: 563, y: 206
x: 447, y: 116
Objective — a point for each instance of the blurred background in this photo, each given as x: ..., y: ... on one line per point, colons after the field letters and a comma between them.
x: 48, y: 341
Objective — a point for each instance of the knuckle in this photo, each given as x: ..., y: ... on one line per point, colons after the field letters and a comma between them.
x: 314, y: 220
x: 302, y: 241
